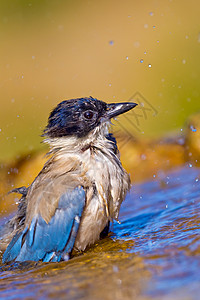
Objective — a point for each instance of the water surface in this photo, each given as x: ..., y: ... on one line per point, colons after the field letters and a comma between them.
x: 152, y: 254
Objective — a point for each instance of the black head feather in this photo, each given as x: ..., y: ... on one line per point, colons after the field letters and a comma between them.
x: 75, y: 117
x: 79, y: 116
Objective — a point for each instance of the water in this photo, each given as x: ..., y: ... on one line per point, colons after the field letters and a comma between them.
x: 152, y: 254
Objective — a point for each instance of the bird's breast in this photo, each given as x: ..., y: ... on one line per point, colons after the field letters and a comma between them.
x: 109, y: 183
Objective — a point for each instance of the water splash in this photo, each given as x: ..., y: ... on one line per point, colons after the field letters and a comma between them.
x: 192, y: 128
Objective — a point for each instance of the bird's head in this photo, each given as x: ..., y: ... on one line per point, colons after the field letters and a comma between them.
x: 77, y: 117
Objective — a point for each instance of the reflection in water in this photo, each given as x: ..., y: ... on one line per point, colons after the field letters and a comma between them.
x: 154, y: 252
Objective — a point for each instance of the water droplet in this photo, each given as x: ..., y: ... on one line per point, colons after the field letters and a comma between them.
x: 17, y: 116
x: 181, y: 129
x: 151, y: 13
x: 111, y: 42
x: 166, y: 206
x: 115, y: 269
x: 193, y: 128
x: 181, y: 141
x: 143, y: 157
x: 190, y: 165
x: 154, y: 175
x: 145, y: 52
x: 141, y: 60
x: 197, y: 179
x: 154, y: 26
x: 149, y: 65
x: 126, y: 57
x: 109, y: 84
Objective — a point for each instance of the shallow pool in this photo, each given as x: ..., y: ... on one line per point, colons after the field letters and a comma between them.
x: 153, y: 253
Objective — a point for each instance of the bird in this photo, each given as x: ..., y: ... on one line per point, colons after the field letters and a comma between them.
x: 79, y: 190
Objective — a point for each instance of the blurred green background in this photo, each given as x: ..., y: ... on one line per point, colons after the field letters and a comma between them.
x: 55, y: 50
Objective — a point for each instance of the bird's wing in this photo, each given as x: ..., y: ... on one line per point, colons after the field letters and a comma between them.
x: 52, y: 240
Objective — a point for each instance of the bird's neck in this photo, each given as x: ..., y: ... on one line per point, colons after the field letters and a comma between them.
x: 97, y: 138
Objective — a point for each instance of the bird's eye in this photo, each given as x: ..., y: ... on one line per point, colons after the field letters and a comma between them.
x: 88, y: 114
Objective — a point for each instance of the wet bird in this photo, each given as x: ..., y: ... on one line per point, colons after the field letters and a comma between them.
x: 79, y: 190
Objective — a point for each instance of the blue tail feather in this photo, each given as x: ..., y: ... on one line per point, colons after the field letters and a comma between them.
x: 52, y: 241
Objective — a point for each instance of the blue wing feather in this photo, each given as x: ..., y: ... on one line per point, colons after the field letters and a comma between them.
x: 52, y: 241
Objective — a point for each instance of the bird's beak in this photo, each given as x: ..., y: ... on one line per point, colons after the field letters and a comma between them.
x: 115, y: 109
